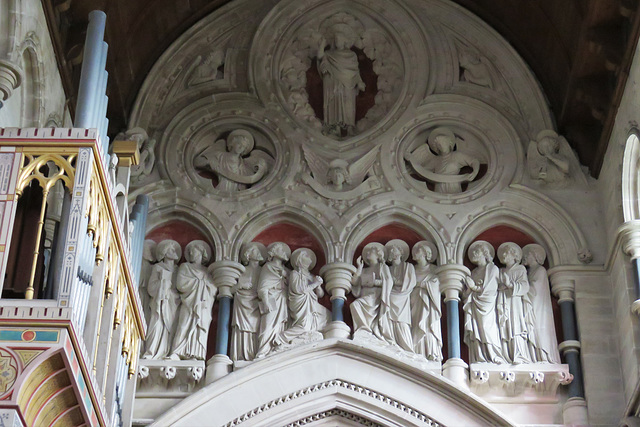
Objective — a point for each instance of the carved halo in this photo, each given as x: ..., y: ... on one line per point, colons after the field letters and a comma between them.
x: 202, y: 245
x: 503, y: 248
x: 404, y: 248
x: 247, y: 135
x: 245, y: 248
x: 425, y: 244
x: 481, y: 244
x: 374, y: 246
x: 296, y: 254
x: 161, y: 249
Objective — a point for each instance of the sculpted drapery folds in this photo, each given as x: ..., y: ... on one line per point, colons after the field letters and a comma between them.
x: 148, y: 259
x: 426, y: 310
x: 545, y: 345
x: 395, y: 322
x: 371, y: 286
x: 481, y: 333
x: 514, y: 307
x: 272, y: 293
x: 245, y: 320
x: 307, y: 316
x: 164, y: 300
x: 197, y: 293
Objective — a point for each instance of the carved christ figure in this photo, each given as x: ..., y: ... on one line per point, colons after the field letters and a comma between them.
x: 341, y: 81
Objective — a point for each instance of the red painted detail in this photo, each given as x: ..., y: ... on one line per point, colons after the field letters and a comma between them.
x: 28, y: 335
x: 180, y: 231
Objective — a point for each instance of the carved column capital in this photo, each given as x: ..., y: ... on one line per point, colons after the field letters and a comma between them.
x: 563, y: 284
x: 225, y: 276
x: 452, y: 280
x: 337, y: 278
x: 630, y: 238
x: 10, y: 79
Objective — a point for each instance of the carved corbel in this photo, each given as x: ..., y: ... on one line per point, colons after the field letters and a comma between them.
x: 10, y: 79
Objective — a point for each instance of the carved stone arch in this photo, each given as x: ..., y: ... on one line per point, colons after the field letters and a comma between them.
x: 631, y: 177
x: 281, y: 213
x: 33, y: 82
x: 332, y: 374
x: 534, y: 214
x: 410, y: 216
x: 169, y: 207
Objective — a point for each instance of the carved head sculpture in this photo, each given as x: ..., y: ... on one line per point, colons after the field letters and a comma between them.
x: 240, y: 141
x: 424, y: 249
x: 548, y: 143
x: 509, y: 253
x: 442, y: 140
x: 253, y: 251
x: 149, y: 250
x: 303, y: 258
x: 338, y: 172
x: 397, y: 250
x: 198, y: 252
x: 279, y: 250
x: 373, y: 253
x: 481, y: 252
x: 533, y: 254
x: 168, y: 249
x: 344, y: 36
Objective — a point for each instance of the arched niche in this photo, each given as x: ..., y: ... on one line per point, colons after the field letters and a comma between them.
x: 180, y: 231
x: 631, y: 178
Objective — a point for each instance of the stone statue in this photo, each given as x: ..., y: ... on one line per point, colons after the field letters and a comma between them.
x: 546, y: 343
x: 164, y: 300
x: 147, y: 161
x: 371, y: 286
x: 235, y: 171
x: 207, y: 68
x: 245, y: 319
x: 425, y: 303
x: 307, y: 316
x: 551, y: 162
x: 337, y: 179
x: 272, y: 293
x: 395, y: 323
x: 341, y: 81
x: 443, y: 168
x: 197, y: 293
x: 474, y: 68
x: 513, y: 306
x: 481, y: 333
x: 148, y: 259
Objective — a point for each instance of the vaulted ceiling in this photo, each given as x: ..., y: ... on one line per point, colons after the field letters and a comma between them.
x: 580, y: 51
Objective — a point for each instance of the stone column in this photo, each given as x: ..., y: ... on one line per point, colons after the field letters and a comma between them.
x: 337, y: 281
x: 630, y: 237
x: 563, y: 286
x: 225, y: 277
x: 451, y: 285
x: 10, y: 79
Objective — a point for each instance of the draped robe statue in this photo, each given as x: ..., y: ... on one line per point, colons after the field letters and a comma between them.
x: 426, y: 310
x: 272, y: 293
x: 371, y: 286
x: 197, y: 293
x: 545, y: 341
x: 481, y: 332
x: 245, y: 319
x: 398, y: 329
x: 514, y: 307
x: 164, y: 300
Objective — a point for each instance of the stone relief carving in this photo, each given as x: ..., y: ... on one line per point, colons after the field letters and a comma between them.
x: 235, y: 162
x: 515, y: 315
x: 481, y: 333
x: 164, y: 300
x: 197, y: 295
x: 426, y: 309
x: 146, y: 146
x: 474, y: 68
x: 440, y: 162
x: 307, y: 316
x: 206, y: 68
x: 148, y: 259
x: 338, y: 179
x: 332, y: 43
x: 551, y: 162
x: 545, y: 340
x: 245, y: 320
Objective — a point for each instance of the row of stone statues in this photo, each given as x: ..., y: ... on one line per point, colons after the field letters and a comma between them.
x: 508, y: 314
x: 179, y: 299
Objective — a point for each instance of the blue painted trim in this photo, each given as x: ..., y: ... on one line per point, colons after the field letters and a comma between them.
x: 453, y: 329
x: 224, y: 318
x: 337, y: 306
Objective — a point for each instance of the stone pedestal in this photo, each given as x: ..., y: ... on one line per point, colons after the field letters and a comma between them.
x: 217, y: 367
x: 337, y: 281
x: 337, y: 329
x: 455, y: 370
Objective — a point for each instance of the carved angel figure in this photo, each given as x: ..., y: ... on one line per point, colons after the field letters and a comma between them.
x: 341, y: 81
x: 473, y: 68
x: 207, y: 68
x: 235, y: 171
x: 443, y: 168
x: 337, y: 179
x: 551, y: 161
x: 146, y: 147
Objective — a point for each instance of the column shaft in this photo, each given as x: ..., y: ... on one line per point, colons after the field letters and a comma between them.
x: 453, y: 329
x: 337, y: 305
x: 224, y: 318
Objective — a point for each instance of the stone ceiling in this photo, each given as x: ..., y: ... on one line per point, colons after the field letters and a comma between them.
x: 580, y: 50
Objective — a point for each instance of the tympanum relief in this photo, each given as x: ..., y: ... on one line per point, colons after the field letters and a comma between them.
x: 551, y: 162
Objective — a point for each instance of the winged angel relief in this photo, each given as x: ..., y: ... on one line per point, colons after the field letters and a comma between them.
x: 551, y: 162
x: 338, y: 179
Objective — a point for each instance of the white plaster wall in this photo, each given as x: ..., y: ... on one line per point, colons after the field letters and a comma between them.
x: 48, y: 102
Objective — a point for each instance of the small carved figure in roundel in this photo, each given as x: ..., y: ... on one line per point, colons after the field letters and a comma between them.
x: 235, y: 163
x: 442, y: 163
